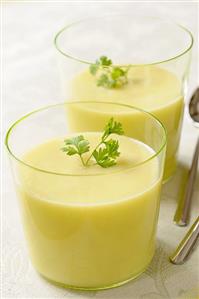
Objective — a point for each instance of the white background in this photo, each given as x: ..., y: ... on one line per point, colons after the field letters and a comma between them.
x: 30, y: 80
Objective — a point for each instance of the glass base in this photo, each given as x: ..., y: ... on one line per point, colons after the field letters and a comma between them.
x: 114, y: 285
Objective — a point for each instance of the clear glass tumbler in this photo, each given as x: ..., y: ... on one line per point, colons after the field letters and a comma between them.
x: 88, y: 227
x: 156, y: 55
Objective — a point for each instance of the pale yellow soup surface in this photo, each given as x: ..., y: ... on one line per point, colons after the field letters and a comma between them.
x: 93, y: 227
x: 151, y: 88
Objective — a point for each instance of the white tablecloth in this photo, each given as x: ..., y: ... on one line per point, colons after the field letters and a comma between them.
x: 30, y: 81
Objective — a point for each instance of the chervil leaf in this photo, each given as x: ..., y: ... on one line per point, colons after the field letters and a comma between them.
x: 106, y: 151
x: 117, y: 73
x: 94, y: 68
x: 107, y: 75
x: 113, y: 127
x: 74, y: 140
x: 103, y: 80
x: 83, y: 146
x: 107, y: 155
x: 102, y: 158
x: 112, y: 148
x: 105, y: 61
x: 76, y: 145
x: 70, y: 150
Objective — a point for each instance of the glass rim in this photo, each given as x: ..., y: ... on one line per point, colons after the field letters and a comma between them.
x: 24, y: 117
x: 183, y: 28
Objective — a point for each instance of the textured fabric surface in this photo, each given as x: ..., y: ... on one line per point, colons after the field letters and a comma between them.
x: 31, y: 80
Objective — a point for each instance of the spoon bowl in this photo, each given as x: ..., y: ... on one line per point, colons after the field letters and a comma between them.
x: 194, y: 108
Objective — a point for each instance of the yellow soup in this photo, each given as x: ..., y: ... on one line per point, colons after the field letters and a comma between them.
x: 94, y: 227
x: 150, y: 88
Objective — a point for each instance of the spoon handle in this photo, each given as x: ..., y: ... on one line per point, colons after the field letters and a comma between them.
x: 186, y: 245
x: 181, y: 217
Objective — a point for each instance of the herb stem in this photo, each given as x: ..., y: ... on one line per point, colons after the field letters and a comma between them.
x: 106, y: 155
x: 101, y: 142
x: 83, y: 160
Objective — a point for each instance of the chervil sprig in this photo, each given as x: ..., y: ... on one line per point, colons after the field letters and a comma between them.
x: 106, y: 157
x: 107, y: 75
x: 112, y: 127
x: 105, y: 153
x: 76, y: 146
x: 103, y: 61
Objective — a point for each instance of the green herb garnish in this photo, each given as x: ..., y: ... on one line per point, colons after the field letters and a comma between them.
x: 76, y: 145
x: 107, y: 75
x: 106, y: 151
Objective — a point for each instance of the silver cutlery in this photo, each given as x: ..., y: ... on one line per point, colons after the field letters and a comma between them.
x: 187, y: 244
x: 181, y: 217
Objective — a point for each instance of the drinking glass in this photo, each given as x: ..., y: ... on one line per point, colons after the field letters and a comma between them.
x: 91, y: 229
x: 157, y: 53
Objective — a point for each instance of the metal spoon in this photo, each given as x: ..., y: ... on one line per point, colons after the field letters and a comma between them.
x: 181, y: 217
x: 194, y: 107
x: 187, y: 244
